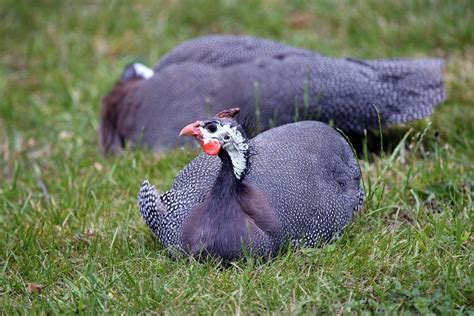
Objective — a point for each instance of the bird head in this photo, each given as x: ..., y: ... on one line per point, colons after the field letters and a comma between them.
x: 222, y: 133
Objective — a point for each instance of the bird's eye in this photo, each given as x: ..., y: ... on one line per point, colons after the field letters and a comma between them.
x: 212, y: 128
x: 226, y: 137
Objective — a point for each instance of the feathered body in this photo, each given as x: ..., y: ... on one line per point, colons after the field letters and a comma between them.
x: 302, y: 186
x: 273, y: 84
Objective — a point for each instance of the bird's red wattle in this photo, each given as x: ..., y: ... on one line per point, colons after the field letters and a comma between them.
x: 211, y: 147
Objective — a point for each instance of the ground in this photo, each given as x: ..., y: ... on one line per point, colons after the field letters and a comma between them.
x: 71, y: 237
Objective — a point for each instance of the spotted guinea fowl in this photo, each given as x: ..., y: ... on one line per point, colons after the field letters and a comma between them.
x: 297, y: 183
x: 287, y: 84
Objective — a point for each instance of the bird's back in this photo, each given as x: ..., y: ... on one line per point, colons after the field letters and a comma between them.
x: 311, y: 178
x: 221, y: 51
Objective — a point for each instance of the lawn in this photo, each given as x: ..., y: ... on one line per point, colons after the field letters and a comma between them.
x: 71, y: 237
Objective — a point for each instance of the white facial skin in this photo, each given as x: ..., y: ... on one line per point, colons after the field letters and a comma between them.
x: 232, y: 141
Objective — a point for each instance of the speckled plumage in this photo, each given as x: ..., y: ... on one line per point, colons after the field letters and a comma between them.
x: 210, y: 73
x: 306, y: 171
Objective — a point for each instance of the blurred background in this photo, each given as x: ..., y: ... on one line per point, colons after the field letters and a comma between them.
x: 58, y: 58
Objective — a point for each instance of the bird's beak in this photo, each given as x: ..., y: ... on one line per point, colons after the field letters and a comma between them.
x: 192, y: 129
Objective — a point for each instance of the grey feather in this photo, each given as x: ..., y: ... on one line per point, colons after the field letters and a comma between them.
x: 306, y: 171
x: 211, y: 73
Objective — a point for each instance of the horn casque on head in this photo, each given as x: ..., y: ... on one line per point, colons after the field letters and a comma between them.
x: 228, y: 114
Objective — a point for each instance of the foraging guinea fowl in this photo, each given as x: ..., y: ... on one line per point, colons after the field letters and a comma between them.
x: 297, y: 183
x: 272, y: 83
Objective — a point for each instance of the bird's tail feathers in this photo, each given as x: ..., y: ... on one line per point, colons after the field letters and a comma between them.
x: 150, y: 205
x: 417, y: 85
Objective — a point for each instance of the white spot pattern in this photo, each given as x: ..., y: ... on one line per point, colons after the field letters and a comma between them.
x: 306, y: 170
x: 212, y: 72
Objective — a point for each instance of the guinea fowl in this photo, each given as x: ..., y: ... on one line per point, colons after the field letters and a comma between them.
x: 272, y: 83
x: 298, y: 183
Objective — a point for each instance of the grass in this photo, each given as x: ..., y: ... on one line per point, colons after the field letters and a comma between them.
x: 68, y: 217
